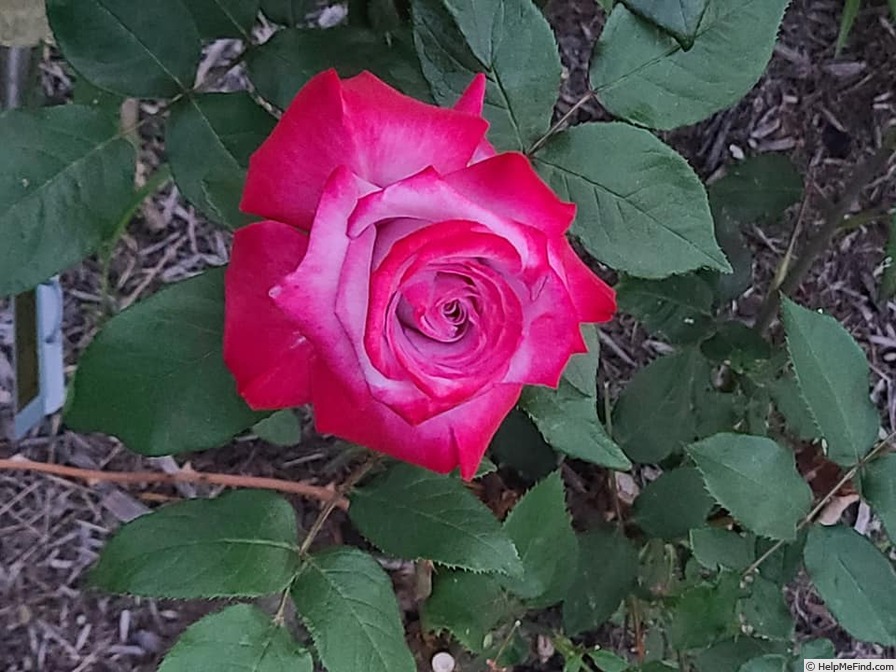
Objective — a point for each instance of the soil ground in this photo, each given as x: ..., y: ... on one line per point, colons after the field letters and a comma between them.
x: 826, y: 112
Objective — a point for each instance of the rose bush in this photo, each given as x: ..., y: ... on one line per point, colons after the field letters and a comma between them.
x: 407, y: 280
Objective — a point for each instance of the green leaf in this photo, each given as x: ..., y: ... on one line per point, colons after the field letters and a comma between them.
x: 856, y: 582
x: 567, y: 416
x: 285, y: 63
x: 782, y: 565
x: 679, y: 18
x: 833, y: 376
x: 286, y: 12
x: 678, y: 307
x: 673, y: 504
x: 467, y: 605
x: 760, y: 188
x: 236, y: 639
x: 240, y: 544
x: 888, y: 281
x: 643, y: 75
x: 209, y: 140
x: 223, y: 18
x: 581, y: 371
x: 814, y: 648
x: 731, y: 654
x: 607, y: 661
x: 767, y: 663
x: 519, y: 445
x: 606, y: 572
x: 730, y: 286
x: 539, y: 526
x: 879, y: 490
x: 847, y: 19
x: 642, y: 209
x: 765, y: 610
x: 790, y: 403
x: 756, y: 480
x: 85, y: 93
x: 705, y: 614
x: 511, y: 42
x: 413, y: 513
x: 143, y: 50
x: 347, y: 603
x: 65, y: 180
x: 717, y: 549
x: 656, y: 414
x: 478, y: 21
x: 736, y: 345
x: 155, y: 377
x: 280, y: 429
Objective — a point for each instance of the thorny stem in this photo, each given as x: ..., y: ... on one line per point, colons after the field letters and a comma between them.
x: 337, y: 497
x: 833, y: 222
x: 810, y: 517
x: 559, y: 123
x: 229, y: 480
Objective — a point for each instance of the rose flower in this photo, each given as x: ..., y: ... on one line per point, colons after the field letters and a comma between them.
x: 407, y: 280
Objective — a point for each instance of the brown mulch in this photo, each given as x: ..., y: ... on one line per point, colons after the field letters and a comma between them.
x: 825, y: 112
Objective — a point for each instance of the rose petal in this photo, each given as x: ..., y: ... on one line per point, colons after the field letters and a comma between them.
x: 264, y: 349
x: 458, y: 437
x: 327, y: 296
x: 595, y: 301
x: 471, y: 102
x: 551, y: 335
x: 507, y: 186
x: 380, y: 134
x: 451, y: 246
x: 427, y: 197
x: 308, y: 294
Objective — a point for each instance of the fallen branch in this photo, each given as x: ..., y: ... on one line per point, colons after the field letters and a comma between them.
x: 324, y: 494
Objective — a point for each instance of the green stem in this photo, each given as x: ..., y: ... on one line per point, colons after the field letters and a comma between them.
x: 810, y: 517
x: 153, y: 184
x: 559, y: 124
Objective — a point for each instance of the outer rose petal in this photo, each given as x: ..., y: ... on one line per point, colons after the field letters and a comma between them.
x: 265, y: 350
x: 308, y: 295
x: 507, y: 185
x: 458, y: 437
x: 550, y: 338
x: 378, y: 133
x: 594, y: 300
x: 471, y: 102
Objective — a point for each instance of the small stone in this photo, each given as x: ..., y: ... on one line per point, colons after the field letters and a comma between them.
x: 443, y: 662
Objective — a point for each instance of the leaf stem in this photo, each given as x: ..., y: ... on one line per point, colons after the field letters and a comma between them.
x: 559, y: 123
x: 494, y: 662
x: 334, y: 500
x: 810, y: 517
x: 833, y: 222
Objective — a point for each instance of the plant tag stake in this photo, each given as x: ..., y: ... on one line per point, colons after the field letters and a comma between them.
x: 39, y: 380
x: 39, y: 384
